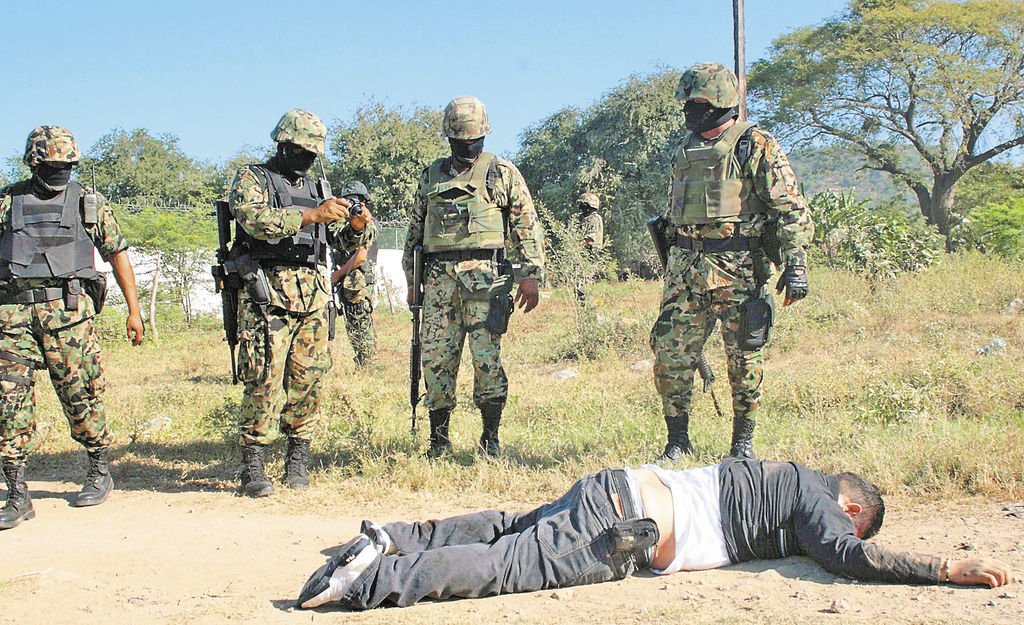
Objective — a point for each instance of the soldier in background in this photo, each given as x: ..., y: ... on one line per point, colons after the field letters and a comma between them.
x: 50, y: 293
x: 468, y: 207
x: 735, y: 208
x: 285, y: 227
x: 591, y: 222
x: 354, y: 281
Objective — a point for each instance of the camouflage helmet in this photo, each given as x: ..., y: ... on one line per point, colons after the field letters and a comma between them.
x: 589, y: 199
x: 466, y: 118
x: 302, y: 128
x: 51, y: 143
x: 355, y: 188
x: 712, y: 81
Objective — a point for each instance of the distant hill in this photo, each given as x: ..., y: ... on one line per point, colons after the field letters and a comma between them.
x: 833, y: 168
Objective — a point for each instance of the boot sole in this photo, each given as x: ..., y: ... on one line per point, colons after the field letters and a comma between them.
x: 358, y: 552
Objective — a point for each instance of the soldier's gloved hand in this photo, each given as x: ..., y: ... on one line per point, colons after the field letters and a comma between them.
x: 527, y: 295
x: 794, y: 279
x: 332, y: 209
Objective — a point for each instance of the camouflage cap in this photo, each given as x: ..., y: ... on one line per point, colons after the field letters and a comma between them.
x: 589, y: 199
x: 465, y: 117
x: 713, y: 82
x: 51, y: 143
x: 302, y: 128
x: 355, y: 188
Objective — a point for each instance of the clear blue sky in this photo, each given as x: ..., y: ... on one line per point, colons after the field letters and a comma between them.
x: 218, y: 74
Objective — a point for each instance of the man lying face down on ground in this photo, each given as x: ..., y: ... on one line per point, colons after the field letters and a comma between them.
x: 618, y: 521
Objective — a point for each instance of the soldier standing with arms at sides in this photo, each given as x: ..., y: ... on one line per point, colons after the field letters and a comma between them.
x: 467, y: 206
x: 735, y: 208
x: 283, y: 230
x: 50, y: 292
x: 354, y: 280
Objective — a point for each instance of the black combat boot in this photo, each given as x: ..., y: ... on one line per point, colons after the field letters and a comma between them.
x: 98, y: 482
x: 491, y: 413
x: 295, y: 473
x: 254, y: 480
x: 19, y: 505
x: 439, y: 442
x: 678, y: 438
x: 742, y: 438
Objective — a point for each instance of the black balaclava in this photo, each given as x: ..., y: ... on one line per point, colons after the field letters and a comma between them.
x: 52, y: 177
x: 466, y: 151
x: 292, y: 160
x: 701, y: 116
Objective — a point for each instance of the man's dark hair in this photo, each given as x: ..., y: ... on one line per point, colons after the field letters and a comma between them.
x: 868, y: 496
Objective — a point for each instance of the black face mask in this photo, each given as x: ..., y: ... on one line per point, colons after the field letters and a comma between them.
x: 52, y: 177
x: 701, y: 116
x: 465, y: 152
x: 293, y: 160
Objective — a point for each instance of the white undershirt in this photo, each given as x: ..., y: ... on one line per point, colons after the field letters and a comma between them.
x: 697, y: 519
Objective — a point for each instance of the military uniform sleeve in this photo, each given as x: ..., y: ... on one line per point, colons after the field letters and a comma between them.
x: 106, y: 234
x: 776, y: 184
x: 342, y: 236
x: 250, y: 205
x: 524, y: 228
x: 414, y: 236
x: 5, y: 207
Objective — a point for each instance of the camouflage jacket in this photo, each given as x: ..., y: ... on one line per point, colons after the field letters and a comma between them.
x: 774, y: 182
x: 296, y: 289
x: 523, y: 232
x: 105, y: 234
x: 592, y: 227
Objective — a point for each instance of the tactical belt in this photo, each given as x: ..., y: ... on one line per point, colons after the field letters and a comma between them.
x: 735, y: 243
x: 630, y: 511
x: 33, y: 296
x: 459, y: 255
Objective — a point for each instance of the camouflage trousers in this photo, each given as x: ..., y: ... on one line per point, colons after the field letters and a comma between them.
x: 283, y: 357
x: 359, y: 327
x: 687, y: 317
x: 455, y: 307
x: 64, y: 342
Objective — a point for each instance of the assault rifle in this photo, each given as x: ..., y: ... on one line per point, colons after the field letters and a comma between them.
x: 416, y: 308
x: 658, y: 227
x: 323, y: 188
x: 225, y: 282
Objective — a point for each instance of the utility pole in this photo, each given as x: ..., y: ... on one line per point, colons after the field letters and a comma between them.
x: 739, y: 45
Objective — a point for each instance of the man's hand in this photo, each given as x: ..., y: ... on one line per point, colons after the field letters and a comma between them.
x: 134, y: 327
x: 359, y: 221
x: 527, y: 295
x: 794, y: 279
x: 333, y: 209
x: 980, y: 571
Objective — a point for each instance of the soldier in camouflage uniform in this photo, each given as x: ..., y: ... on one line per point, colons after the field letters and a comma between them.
x: 284, y: 225
x: 353, y: 281
x: 50, y: 292
x: 468, y: 207
x: 734, y: 202
x: 591, y: 222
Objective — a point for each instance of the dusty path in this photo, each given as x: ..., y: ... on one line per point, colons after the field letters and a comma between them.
x: 210, y: 557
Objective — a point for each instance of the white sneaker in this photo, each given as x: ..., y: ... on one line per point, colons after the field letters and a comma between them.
x: 332, y: 580
x: 380, y: 538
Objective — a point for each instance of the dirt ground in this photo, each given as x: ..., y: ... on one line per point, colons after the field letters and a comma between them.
x: 211, y: 557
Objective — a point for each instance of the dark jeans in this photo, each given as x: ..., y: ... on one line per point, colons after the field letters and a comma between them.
x: 563, y: 543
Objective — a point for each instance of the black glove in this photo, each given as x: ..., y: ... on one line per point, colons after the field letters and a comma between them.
x: 794, y: 278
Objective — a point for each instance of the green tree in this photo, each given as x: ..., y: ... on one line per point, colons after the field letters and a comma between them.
x: 180, y: 240
x: 1000, y: 228
x: 944, y: 77
x: 149, y: 170
x: 620, y: 149
x: 386, y: 149
x: 989, y: 183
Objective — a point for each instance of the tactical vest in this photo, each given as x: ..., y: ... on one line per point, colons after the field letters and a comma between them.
x: 308, y: 246
x: 708, y: 184
x: 46, y: 238
x: 461, y: 212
